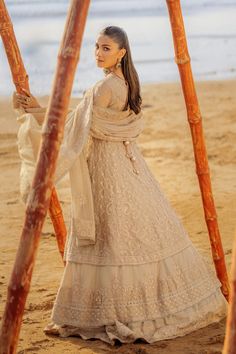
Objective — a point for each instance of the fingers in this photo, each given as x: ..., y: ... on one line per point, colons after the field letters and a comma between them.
x: 25, y: 100
x: 21, y: 100
x: 24, y: 105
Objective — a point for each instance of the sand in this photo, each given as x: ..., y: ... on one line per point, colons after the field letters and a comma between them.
x: 167, y: 147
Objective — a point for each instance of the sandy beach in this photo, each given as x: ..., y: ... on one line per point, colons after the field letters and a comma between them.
x: 167, y: 147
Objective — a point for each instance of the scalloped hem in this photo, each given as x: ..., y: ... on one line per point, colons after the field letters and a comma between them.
x: 209, y: 310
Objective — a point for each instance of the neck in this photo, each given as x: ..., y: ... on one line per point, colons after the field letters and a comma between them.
x: 118, y: 72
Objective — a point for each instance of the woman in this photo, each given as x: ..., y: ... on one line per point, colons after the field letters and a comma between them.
x: 132, y: 272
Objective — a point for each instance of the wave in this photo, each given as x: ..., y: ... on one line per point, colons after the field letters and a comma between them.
x: 23, y: 9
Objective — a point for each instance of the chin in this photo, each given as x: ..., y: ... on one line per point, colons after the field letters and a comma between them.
x: 100, y: 65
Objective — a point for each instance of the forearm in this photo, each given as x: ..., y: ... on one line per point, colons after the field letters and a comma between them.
x: 38, y: 113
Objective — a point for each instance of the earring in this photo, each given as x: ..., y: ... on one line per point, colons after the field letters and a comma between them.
x: 118, y: 64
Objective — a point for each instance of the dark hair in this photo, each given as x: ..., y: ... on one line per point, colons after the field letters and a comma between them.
x: 130, y: 74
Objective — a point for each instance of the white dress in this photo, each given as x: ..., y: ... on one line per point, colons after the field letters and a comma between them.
x: 143, y: 278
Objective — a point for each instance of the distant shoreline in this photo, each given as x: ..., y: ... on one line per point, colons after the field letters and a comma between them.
x: 210, y: 31
x: 7, y: 97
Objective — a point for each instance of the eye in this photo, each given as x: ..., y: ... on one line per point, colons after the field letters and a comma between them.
x: 105, y: 48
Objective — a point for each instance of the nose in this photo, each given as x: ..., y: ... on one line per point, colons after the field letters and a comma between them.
x: 98, y: 56
x: 97, y: 53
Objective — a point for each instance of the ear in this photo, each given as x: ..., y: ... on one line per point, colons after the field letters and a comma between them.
x: 123, y: 51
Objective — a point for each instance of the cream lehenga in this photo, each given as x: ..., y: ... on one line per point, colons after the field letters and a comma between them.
x: 132, y: 271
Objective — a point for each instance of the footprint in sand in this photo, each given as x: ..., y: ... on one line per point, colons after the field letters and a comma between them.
x: 50, y: 295
x: 46, y: 305
x: 40, y: 341
x: 41, y: 290
x: 29, y: 349
x: 12, y: 202
x: 29, y: 321
x: 140, y: 351
x: 218, y: 339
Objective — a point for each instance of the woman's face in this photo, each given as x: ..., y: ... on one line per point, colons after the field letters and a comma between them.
x: 107, y: 52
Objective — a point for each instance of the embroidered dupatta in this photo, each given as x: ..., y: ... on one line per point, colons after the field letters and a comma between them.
x: 87, y: 119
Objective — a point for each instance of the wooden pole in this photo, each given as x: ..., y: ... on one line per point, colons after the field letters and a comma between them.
x: 21, y: 80
x: 43, y: 179
x: 195, y: 121
x: 230, y: 337
x: 19, y: 75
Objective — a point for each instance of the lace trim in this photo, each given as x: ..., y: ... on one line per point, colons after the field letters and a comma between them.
x: 74, y: 255
x: 149, y: 300
x: 209, y: 310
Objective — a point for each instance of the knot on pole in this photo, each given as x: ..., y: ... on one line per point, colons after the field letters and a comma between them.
x: 194, y: 114
x: 69, y: 52
x: 211, y: 218
x: 5, y: 27
x: 194, y: 118
x: 182, y: 60
x: 202, y: 172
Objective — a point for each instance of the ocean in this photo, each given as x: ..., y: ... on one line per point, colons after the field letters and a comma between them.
x: 39, y: 24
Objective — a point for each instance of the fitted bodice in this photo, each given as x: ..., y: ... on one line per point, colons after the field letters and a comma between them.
x: 116, y: 87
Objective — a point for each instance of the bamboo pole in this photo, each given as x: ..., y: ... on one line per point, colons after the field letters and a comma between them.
x: 19, y: 75
x: 195, y: 121
x: 43, y: 179
x: 21, y: 80
x: 230, y: 337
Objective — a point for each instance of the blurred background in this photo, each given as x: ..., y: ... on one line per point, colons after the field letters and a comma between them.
x: 39, y: 24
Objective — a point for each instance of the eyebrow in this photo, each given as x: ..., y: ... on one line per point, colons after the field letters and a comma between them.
x: 107, y: 45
